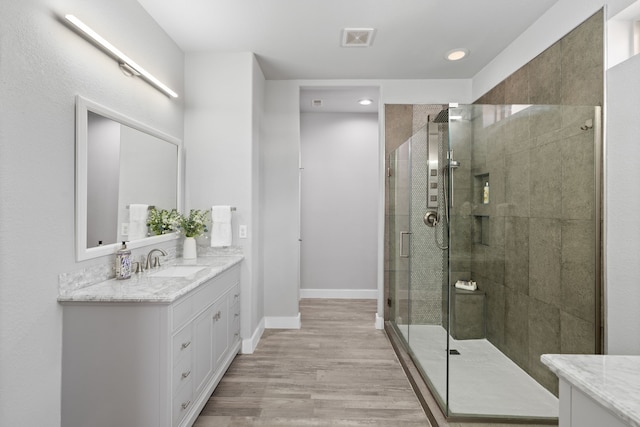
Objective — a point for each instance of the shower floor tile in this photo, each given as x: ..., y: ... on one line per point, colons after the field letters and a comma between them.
x: 483, y: 381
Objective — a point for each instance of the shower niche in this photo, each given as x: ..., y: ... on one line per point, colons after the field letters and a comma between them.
x: 481, y: 227
x: 481, y: 230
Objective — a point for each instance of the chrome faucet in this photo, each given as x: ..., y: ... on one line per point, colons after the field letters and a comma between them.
x: 156, y: 262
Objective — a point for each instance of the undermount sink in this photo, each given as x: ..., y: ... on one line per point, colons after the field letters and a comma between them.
x: 178, y: 271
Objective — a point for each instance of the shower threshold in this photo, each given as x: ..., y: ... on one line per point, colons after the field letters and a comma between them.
x: 483, y: 382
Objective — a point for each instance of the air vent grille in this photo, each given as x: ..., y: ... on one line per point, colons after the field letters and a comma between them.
x: 357, y: 37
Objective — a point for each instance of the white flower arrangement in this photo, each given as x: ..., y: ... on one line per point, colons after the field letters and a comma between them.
x: 163, y: 221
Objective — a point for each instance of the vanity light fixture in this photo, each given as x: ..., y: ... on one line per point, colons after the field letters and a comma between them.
x: 365, y: 101
x: 126, y: 63
x: 456, y: 54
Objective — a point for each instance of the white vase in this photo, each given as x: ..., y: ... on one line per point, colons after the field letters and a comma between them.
x: 189, y: 250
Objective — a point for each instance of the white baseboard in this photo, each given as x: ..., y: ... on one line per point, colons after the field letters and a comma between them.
x: 273, y: 322
x: 340, y: 293
x: 379, y: 322
x: 249, y: 345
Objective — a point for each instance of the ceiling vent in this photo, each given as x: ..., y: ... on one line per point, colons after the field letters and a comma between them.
x: 357, y: 37
x: 316, y: 102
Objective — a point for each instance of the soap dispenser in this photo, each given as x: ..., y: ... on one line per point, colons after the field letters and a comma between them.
x: 123, y: 262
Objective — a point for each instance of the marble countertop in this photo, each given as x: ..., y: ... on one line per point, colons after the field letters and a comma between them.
x: 612, y: 381
x: 143, y: 288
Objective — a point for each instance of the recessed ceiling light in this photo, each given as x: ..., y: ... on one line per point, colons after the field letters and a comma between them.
x: 457, y: 54
x: 365, y: 101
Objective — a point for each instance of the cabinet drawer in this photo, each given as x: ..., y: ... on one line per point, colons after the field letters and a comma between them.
x: 181, y: 404
x: 181, y: 344
x: 215, y: 288
x: 182, y: 312
x: 206, y: 295
x: 182, y: 374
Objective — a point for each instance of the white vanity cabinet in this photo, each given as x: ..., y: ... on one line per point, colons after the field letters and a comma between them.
x: 145, y: 364
x: 577, y: 409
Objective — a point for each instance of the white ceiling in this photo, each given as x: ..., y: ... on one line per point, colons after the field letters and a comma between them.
x: 300, y: 39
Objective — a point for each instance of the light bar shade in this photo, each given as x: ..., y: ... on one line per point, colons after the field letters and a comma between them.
x: 102, y: 42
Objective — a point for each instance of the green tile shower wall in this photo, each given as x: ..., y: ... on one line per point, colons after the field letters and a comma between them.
x: 538, y: 268
x: 542, y: 297
x: 570, y: 72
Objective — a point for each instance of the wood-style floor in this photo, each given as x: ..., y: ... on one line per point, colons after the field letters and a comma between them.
x: 338, y: 370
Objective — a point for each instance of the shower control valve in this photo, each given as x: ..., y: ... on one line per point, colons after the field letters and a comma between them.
x: 431, y: 218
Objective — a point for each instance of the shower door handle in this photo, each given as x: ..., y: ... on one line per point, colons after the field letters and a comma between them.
x: 402, y: 234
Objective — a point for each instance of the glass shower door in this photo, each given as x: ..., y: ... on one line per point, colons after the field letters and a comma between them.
x: 399, y: 233
x: 428, y: 338
x: 417, y: 253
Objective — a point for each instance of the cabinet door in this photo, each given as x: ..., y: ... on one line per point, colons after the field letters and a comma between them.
x: 220, y: 329
x: 203, y: 349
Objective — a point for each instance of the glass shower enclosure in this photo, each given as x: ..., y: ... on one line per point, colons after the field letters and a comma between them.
x: 493, y: 225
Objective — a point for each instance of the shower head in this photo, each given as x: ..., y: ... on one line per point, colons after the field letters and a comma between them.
x: 442, y: 117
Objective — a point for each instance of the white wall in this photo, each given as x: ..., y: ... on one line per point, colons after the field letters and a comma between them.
x: 280, y: 154
x: 43, y: 66
x: 339, y: 205
x: 221, y: 144
x: 257, y: 250
x: 623, y: 204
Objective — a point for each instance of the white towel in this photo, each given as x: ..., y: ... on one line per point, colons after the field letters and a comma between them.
x: 138, y: 221
x: 466, y: 285
x: 220, y: 226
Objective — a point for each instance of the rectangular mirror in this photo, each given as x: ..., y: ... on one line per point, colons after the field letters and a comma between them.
x: 120, y: 162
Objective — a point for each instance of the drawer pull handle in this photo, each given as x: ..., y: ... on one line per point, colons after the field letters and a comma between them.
x: 186, y: 374
x: 217, y: 315
x: 185, y: 405
x: 236, y: 295
x: 236, y: 315
x: 185, y: 345
x: 236, y: 334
